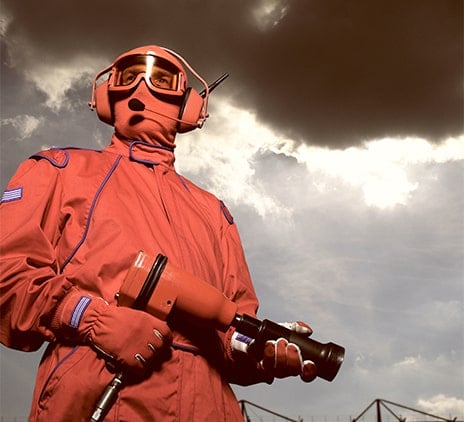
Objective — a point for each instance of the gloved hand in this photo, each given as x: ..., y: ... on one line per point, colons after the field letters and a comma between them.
x: 281, y: 359
x: 128, y: 338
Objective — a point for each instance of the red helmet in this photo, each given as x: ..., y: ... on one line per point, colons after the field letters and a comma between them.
x: 163, y: 72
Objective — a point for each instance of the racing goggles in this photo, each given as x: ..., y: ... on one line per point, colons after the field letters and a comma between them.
x: 159, y: 74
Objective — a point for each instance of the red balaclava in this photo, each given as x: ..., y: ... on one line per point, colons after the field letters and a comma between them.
x: 146, y: 125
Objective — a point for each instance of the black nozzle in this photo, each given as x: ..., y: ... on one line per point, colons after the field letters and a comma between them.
x: 327, y: 357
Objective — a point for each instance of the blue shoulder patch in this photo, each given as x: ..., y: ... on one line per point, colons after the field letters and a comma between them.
x: 226, y: 213
x: 11, y: 195
x: 56, y: 156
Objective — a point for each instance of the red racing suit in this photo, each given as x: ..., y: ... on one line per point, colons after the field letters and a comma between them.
x: 78, y: 217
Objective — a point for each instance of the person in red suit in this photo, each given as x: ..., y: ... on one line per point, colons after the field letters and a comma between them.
x: 72, y: 221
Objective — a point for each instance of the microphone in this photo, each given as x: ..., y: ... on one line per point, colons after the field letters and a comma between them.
x: 136, y: 105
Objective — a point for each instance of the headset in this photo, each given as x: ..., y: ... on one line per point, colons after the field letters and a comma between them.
x: 193, y: 111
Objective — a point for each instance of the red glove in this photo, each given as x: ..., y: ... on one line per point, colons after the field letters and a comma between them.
x: 283, y: 359
x: 128, y: 338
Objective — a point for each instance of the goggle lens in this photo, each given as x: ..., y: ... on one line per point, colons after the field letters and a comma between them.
x: 157, y: 72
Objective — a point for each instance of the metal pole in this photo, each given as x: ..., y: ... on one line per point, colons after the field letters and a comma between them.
x: 379, y: 416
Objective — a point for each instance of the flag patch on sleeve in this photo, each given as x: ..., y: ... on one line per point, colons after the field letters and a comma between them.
x: 12, y: 194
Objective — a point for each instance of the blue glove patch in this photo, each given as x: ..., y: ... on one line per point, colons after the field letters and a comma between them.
x: 78, y: 311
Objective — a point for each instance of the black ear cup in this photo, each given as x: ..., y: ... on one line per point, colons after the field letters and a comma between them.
x: 191, y: 111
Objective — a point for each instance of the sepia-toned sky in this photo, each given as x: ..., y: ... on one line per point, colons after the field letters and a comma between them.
x: 337, y: 142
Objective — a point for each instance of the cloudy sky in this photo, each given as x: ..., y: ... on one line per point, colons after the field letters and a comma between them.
x: 338, y: 144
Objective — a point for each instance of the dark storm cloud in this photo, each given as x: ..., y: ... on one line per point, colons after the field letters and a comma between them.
x: 329, y: 72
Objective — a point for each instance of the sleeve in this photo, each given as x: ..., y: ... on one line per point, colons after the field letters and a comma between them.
x: 30, y: 283
x: 237, y: 279
x: 238, y: 286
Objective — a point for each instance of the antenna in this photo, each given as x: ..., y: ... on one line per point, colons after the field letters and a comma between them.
x: 214, y: 84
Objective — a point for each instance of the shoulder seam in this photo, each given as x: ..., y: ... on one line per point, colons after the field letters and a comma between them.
x: 57, y: 157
